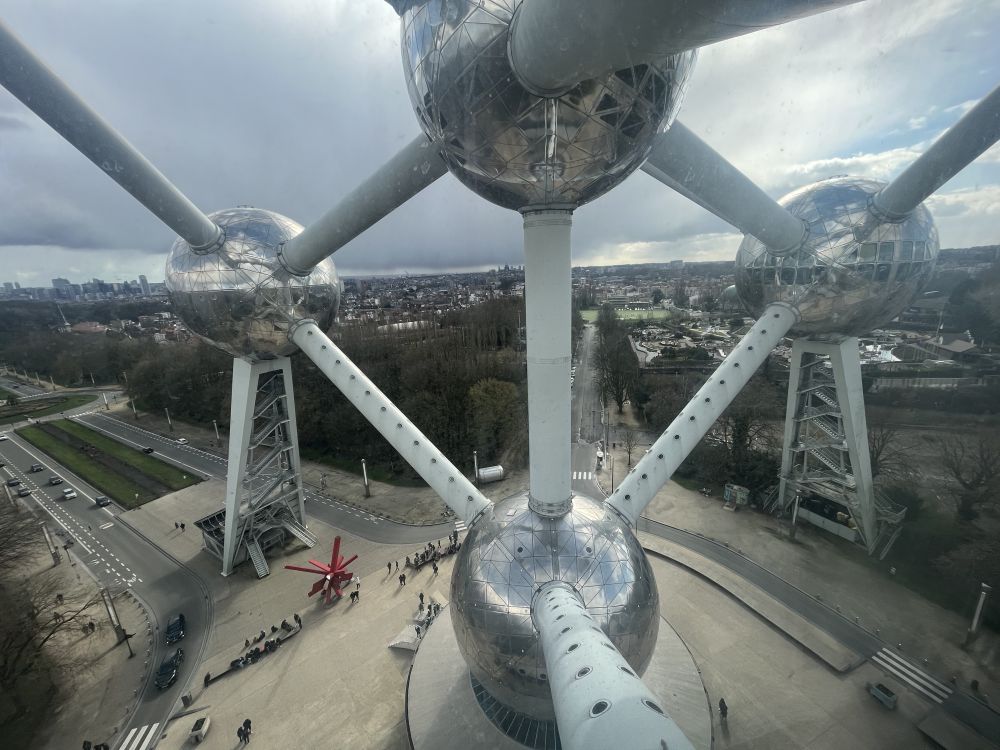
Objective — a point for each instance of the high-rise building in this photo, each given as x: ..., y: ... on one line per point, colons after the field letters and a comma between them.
x: 144, y: 285
x: 58, y: 283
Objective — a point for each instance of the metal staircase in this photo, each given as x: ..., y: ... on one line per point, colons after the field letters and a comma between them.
x: 297, y: 530
x: 257, y: 558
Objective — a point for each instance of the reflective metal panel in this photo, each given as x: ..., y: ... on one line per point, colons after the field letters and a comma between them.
x: 853, y: 274
x: 508, y: 553
x: 231, y: 298
x: 512, y: 147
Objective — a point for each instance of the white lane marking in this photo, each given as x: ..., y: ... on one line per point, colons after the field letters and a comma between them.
x: 128, y: 737
x: 107, y: 525
x: 912, y: 675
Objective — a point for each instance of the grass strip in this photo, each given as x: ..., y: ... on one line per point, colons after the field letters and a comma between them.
x: 111, y: 484
x: 164, y: 473
x: 57, y: 404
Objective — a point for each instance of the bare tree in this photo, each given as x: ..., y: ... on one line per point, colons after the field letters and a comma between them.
x: 20, y: 532
x: 976, y: 468
x: 617, y: 368
x: 35, y: 613
x: 629, y: 440
x: 889, y: 456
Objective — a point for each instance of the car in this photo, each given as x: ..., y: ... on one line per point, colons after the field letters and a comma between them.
x: 13, y: 482
x: 23, y: 492
x: 182, y: 441
x: 4, y: 437
x: 55, y: 480
x: 147, y: 449
x: 175, y: 628
x: 35, y: 468
x: 166, y: 675
x: 69, y: 493
x: 102, y: 500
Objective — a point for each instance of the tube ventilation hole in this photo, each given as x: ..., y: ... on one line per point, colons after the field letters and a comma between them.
x: 572, y: 647
x: 722, y: 382
x: 599, y: 708
x: 677, y: 437
x: 323, y: 347
x: 583, y: 672
x: 649, y: 704
x: 565, y: 630
x: 749, y: 348
x: 626, y: 670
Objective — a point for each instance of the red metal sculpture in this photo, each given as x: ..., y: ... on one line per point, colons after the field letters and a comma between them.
x: 334, y: 575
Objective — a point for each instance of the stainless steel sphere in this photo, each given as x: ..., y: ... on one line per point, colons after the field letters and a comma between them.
x: 509, y: 146
x: 231, y: 298
x: 840, y: 285
x: 508, y: 553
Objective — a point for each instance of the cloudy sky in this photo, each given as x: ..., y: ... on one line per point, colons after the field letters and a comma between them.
x: 288, y: 105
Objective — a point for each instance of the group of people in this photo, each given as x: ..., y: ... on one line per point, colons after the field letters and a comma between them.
x: 432, y: 553
x: 244, y: 731
x: 268, y: 645
x: 433, y: 609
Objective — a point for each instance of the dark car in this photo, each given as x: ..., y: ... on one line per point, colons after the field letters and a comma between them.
x: 176, y: 628
x: 36, y: 468
x: 147, y: 449
x: 166, y: 675
x: 102, y: 500
x: 23, y: 492
x: 13, y: 482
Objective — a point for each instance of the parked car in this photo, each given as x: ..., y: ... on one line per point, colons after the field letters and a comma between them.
x: 36, y: 468
x: 23, y: 492
x: 176, y: 628
x: 182, y: 441
x: 147, y: 449
x: 13, y: 482
x: 55, y: 480
x: 102, y: 500
x: 69, y: 493
x: 166, y: 675
x: 4, y: 437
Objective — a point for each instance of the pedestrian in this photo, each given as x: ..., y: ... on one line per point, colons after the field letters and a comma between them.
x: 298, y: 620
x: 418, y: 630
x: 247, y: 727
x: 388, y: 568
x: 723, y: 708
x: 241, y: 735
x: 439, y: 544
x: 434, y: 567
x: 246, y: 643
x: 402, y: 579
x: 176, y: 525
x: 357, y: 584
x: 182, y: 527
x: 397, y: 564
x: 421, y: 595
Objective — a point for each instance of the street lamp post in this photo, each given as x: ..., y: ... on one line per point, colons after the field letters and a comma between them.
x: 364, y: 474
x: 984, y: 592
x: 170, y: 424
x: 131, y: 403
x: 216, y: 426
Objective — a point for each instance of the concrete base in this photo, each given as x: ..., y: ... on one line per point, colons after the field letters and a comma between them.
x: 443, y: 713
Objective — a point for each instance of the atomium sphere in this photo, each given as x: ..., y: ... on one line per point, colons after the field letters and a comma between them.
x: 841, y: 285
x: 231, y: 299
x: 508, y: 553
x: 514, y: 148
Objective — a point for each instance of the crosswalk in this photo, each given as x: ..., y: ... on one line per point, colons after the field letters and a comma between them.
x: 583, y: 475
x: 912, y: 675
x: 139, y: 738
x: 460, y: 527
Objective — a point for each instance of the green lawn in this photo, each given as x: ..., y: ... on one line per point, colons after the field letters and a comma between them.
x: 113, y: 485
x: 27, y: 409
x: 657, y: 314
x: 170, y: 475
x: 376, y: 472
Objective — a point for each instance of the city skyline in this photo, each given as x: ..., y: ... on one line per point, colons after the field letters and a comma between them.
x: 864, y: 114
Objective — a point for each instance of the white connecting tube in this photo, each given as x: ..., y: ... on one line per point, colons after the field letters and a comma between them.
x: 599, y: 701
x: 688, y: 428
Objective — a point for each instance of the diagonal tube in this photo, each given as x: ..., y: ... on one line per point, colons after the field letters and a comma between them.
x: 598, y: 700
x: 412, y: 169
x: 978, y: 129
x: 41, y: 91
x: 555, y: 44
x: 444, y: 478
x: 668, y: 452
x: 681, y: 158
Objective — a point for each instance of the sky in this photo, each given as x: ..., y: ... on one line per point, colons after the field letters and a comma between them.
x: 288, y: 106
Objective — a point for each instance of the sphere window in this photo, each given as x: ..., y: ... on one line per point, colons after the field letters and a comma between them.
x: 649, y: 704
x: 599, y: 708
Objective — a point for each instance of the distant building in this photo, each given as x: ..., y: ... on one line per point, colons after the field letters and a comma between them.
x: 144, y: 286
x: 60, y: 283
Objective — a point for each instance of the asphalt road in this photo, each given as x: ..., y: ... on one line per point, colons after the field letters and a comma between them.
x: 118, y: 558
x: 213, y: 466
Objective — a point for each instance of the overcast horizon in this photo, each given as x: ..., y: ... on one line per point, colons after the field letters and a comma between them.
x: 288, y: 108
